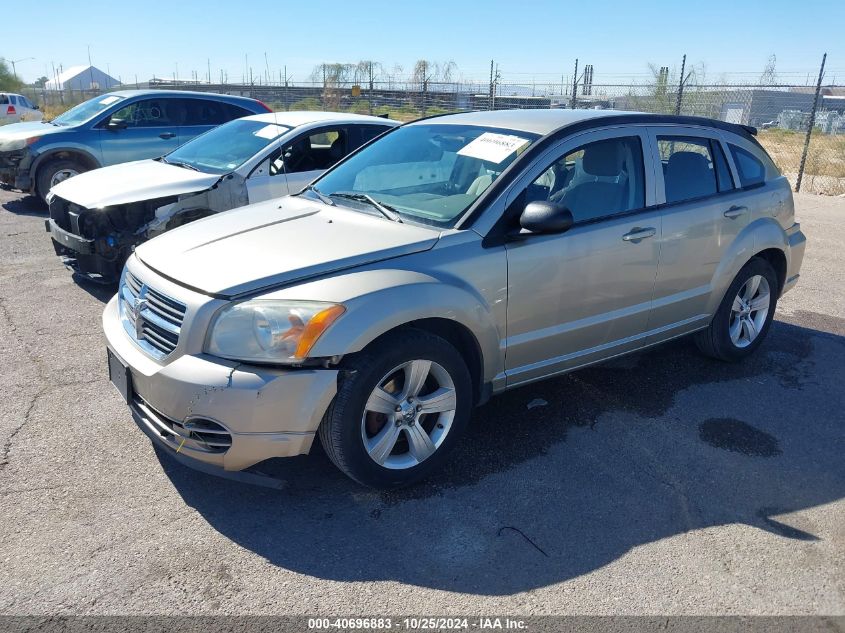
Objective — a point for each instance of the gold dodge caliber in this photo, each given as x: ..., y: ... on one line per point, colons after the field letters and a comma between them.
x: 445, y: 262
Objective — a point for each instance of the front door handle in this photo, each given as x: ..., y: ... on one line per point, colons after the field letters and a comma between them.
x: 637, y: 234
x: 167, y: 135
x: 735, y: 212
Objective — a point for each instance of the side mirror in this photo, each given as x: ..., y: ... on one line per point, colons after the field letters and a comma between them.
x: 35, y: 106
x: 545, y: 217
x: 116, y: 124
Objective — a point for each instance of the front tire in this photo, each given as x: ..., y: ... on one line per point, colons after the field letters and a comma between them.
x: 745, y: 314
x: 399, y: 410
x: 54, y: 172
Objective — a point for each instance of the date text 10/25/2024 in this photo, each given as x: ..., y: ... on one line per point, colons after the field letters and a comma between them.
x: 417, y: 623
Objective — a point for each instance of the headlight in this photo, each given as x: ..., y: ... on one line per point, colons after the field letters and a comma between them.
x: 264, y: 330
x: 18, y: 143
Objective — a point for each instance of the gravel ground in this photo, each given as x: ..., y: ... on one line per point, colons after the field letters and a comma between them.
x: 661, y: 483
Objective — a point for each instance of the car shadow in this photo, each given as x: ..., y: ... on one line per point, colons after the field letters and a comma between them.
x: 101, y: 291
x: 26, y: 205
x: 560, y: 478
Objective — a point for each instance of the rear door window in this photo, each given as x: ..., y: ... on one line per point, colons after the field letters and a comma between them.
x: 688, y: 171
x: 751, y: 170
x: 211, y: 113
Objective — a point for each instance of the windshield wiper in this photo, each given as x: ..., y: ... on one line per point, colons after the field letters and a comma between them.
x: 323, y: 197
x: 386, y: 210
x: 179, y: 164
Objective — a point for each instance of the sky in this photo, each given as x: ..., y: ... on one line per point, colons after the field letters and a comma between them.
x: 529, y: 40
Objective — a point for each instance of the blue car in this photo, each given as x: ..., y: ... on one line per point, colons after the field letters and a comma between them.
x: 116, y: 127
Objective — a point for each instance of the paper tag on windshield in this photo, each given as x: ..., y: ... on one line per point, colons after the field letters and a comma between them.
x: 270, y: 131
x: 108, y: 100
x: 493, y: 147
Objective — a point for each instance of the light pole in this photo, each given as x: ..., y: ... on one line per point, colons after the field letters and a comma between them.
x: 17, y: 61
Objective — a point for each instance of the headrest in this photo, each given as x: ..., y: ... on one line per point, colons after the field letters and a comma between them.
x: 687, y: 162
x: 303, y: 144
x: 602, y: 158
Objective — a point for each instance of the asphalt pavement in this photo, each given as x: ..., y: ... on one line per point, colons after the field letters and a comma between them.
x: 659, y: 483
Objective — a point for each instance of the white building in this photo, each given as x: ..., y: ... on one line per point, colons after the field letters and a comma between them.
x: 82, y: 78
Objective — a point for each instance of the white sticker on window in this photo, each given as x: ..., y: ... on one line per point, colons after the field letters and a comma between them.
x: 108, y: 100
x: 493, y: 147
x: 270, y: 131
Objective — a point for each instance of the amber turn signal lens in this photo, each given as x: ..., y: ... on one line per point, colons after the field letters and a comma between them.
x: 318, y: 324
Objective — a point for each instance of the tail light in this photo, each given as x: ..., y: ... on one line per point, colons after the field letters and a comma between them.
x: 11, y: 109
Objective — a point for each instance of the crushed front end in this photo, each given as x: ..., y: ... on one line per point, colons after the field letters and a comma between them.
x: 97, y: 242
x: 14, y: 168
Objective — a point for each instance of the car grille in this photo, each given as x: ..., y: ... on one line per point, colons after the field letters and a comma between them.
x: 151, y: 318
x: 198, y: 434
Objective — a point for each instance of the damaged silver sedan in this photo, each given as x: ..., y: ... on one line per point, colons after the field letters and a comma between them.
x: 98, y: 217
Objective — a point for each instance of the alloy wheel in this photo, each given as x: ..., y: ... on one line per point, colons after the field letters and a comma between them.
x: 409, y: 414
x: 62, y: 175
x: 749, y: 311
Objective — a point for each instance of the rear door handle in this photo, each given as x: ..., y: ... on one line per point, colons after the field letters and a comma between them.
x: 735, y: 212
x: 167, y: 135
x: 637, y: 234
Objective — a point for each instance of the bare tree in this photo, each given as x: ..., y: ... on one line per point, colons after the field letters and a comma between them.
x: 367, y: 72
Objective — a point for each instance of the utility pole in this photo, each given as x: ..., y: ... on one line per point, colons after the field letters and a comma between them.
x: 90, y: 70
x: 810, y: 124
x: 574, y: 86
x: 681, y: 86
x: 17, y: 61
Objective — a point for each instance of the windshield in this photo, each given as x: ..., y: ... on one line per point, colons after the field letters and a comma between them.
x: 429, y: 173
x: 86, y: 110
x: 227, y: 147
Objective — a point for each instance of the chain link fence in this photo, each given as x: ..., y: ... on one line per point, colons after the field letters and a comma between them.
x: 782, y: 113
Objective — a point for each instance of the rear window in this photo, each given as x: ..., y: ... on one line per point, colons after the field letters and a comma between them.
x: 235, y: 112
x: 751, y: 169
x: 4, y: 99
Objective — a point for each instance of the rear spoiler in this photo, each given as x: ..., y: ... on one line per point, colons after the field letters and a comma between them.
x: 749, y: 128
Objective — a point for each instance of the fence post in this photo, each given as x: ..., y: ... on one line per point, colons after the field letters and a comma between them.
x: 810, y: 124
x: 574, y: 86
x: 490, y: 98
x: 681, y: 86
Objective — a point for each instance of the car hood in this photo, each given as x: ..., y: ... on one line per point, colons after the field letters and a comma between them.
x: 13, y: 134
x: 131, y: 182
x: 277, y: 242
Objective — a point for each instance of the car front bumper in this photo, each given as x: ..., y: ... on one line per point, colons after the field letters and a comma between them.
x: 86, y: 256
x: 267, y: 412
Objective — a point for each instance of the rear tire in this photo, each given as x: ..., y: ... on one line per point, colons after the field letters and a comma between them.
x: 745, y: 314
x: 400, y: 408
x: 54, y: 172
